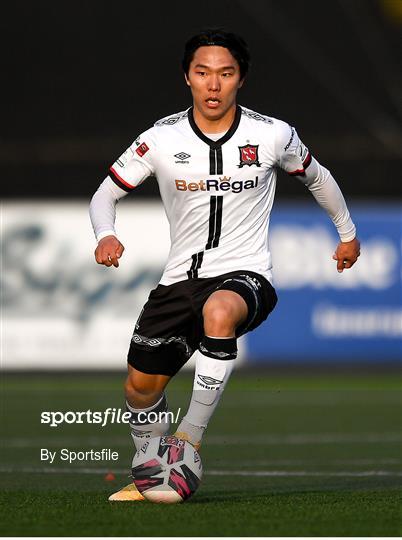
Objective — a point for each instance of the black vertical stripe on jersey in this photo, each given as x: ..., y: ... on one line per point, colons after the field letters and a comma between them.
x: 215, y: 160
x: 215, y: 221
x: 214, y: 234
x: 196, y: 264
x: 218, y: 221
x: 212, y: 214
x: 219, y: 160
x: 212, y: 161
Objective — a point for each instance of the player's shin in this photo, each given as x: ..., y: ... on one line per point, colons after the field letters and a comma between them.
x: 214, y: 363
x: 153, y: 421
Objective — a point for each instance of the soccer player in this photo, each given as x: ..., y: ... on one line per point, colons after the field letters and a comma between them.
x: 216, y: 166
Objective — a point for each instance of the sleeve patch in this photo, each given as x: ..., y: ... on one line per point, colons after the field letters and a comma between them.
x: 142, y: 149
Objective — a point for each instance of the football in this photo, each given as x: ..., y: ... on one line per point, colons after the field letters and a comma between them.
x: 167, y: 470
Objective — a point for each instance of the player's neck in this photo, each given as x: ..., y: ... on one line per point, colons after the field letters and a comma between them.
x: 218, y: 125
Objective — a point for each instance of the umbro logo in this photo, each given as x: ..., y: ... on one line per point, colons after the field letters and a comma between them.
x: 182, y: 157
x: 209, y: 380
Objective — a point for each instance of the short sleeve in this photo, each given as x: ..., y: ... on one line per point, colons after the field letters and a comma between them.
x: 292, y: 155
x: 136, y: 163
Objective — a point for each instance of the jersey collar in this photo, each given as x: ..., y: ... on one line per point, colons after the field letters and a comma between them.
x: 214, y: 144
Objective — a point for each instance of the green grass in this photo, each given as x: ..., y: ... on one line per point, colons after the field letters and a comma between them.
x: 318, y: 456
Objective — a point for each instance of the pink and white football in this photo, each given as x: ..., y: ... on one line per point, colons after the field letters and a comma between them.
x: 167, y: 470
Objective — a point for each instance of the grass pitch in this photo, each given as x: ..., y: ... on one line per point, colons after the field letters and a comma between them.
x: 284, y: 456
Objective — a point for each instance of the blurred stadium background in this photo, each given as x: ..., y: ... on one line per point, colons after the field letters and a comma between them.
x: 84, y: 81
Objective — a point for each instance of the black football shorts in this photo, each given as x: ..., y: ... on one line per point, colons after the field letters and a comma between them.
x: 170, y: 326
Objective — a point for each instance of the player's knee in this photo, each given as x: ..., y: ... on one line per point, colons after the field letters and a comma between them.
x: 142, y: 389
x: 219, y: 317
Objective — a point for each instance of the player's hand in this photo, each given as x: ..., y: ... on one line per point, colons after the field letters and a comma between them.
x: 109, y: 251
x: 346, y: 254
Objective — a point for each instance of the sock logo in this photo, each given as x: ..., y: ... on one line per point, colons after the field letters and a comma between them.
x: 139, y: 433
x: 220, y: 354
x: 210, y: 381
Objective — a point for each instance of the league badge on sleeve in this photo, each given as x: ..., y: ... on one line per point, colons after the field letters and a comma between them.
x: 249, y: 155
x: 142, y: 149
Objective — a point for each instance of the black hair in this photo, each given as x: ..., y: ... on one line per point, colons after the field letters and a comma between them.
x: 218, y: 37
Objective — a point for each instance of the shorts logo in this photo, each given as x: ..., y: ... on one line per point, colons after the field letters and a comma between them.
x: 142, y: 149
x: 252, y: 281
x: 249, y: 155
x: 152, y: 342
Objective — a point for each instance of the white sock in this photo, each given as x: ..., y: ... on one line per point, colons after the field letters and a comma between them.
x: 210, y: 378
x: 144, y: 426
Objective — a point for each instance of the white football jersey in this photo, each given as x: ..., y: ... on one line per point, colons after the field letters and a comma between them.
x: 218, y: 194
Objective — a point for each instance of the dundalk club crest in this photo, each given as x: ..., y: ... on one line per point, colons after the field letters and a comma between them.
x: 249, y: 155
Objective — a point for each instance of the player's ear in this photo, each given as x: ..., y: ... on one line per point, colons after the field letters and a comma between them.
x: 241, y: 82
x: 186, y: 79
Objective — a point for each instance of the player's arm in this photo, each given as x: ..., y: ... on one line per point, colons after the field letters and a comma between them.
x: 130, y: 170
x: 297, y: 161
x: 327, y: 193
x: 102, y: 211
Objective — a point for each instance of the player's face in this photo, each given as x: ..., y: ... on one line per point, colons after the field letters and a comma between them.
x: 214, y: 79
